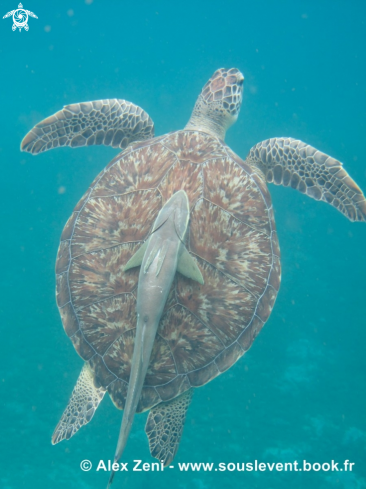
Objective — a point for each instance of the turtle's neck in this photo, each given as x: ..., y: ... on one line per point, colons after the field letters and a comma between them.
x: 209, y: 119
x: 203, y: 124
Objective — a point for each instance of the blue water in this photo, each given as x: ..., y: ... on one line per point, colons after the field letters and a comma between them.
x: 299, y: 393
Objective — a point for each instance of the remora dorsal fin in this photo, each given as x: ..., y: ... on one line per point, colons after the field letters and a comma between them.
x: 136, y: 259
x: 188, y: 267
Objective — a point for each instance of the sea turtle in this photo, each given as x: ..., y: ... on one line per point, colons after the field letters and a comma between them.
x: 205, y: 328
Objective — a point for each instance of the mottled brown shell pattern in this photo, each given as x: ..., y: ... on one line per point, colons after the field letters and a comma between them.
x: 206, y: 328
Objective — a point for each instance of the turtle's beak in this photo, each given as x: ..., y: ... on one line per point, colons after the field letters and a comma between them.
x: 240, y: 78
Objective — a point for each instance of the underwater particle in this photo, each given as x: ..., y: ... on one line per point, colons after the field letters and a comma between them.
x: 47, y: 28
x: 61, y: 190
x: 70, y: 12
x: 88, y: 2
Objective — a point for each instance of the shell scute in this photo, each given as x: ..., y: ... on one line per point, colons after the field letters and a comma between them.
x: 118, y: 392
x: 228, y: 357
x: 231, y: 188
x: 220, y: 304
x: 237, y: 250
x: 266, y: 302
x: 82, y: 346
x: 174, y: 388
x: 139, y: 170
x: 98, y: 275
x: 63, y: 257
x: 62, y: 289
x: 162, y: 368
x: 103, y: 376
x: 194, y: 146
x: 69, y: 319
x: 69, y: 226
x: 183, y: 175
x: 118, y: 358
x: 102, y: 323
x: 246, y: 339
x: 113, y: 220
x: 191, y: 342
x: 203, y: 375
x: 149, y: 397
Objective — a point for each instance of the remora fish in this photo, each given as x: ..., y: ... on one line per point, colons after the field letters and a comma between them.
x: 160, y: 257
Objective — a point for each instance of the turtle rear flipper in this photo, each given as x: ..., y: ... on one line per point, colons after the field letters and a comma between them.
x: 84, y: 400
x: 111, y: 122
x: 164, y: 427
x: 292, y: 163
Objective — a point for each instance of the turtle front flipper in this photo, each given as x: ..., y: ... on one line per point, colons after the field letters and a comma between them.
x: 111, y: 122
x: 84, y: 400
x: 292, y: 163
x: 164, y: 427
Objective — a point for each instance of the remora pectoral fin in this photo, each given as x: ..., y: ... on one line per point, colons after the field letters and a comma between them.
x: 188, y: 267
x: 136, y: 259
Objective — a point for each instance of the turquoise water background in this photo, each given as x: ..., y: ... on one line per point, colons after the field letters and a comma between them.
x: 299, y: 393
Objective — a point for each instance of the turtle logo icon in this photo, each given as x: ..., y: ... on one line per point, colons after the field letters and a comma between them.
x: 20, y: 18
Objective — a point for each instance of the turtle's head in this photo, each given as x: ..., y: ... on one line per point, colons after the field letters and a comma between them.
x: 218, y: 105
